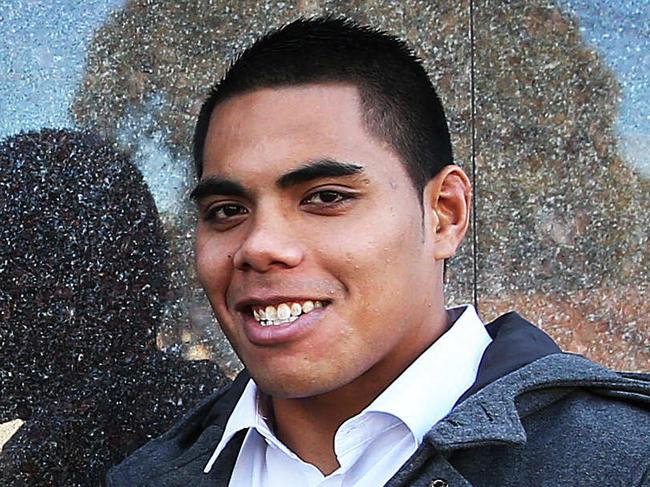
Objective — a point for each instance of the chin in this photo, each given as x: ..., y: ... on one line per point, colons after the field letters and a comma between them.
x: 292, y: 386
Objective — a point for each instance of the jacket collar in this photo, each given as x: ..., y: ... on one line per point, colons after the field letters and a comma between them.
x: 222, y: 409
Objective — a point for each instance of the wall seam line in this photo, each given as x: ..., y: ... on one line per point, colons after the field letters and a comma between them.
x: 473, y: 154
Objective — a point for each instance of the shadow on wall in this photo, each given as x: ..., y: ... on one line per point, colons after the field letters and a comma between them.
x: 84, y: 282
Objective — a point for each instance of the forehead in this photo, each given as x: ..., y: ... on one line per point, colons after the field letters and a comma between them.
x: 268, y: 112
x: 274, y: 129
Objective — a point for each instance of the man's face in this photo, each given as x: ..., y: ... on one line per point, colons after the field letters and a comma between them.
x: 304, y: 214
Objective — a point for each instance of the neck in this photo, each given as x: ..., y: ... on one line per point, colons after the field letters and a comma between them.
x: 308, y: 425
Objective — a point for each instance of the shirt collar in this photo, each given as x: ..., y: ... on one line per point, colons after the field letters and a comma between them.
x: 428, y: 389
x: 245, y: 415
x: 448, y: 367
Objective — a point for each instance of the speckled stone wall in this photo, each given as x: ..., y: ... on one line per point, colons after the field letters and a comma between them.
x: 561, y: 217
x: 548, y: 106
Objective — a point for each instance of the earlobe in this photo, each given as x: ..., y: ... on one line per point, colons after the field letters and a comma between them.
x: 449, y: 197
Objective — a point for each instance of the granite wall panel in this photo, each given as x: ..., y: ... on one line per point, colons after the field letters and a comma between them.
x: 562, y: 215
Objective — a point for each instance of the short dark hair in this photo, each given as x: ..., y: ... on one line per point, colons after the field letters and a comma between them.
x: 400, y: 105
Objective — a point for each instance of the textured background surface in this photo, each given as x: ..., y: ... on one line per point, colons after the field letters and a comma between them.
x: 549, y: 110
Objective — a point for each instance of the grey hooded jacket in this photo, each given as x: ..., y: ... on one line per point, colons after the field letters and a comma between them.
x: 534, y: 417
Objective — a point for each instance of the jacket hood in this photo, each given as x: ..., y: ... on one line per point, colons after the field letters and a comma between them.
x: 515, y: 343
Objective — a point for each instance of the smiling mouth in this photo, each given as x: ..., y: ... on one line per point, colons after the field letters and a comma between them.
x: 282, y: 313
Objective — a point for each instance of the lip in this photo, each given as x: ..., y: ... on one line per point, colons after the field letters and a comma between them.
x: 278, y: 334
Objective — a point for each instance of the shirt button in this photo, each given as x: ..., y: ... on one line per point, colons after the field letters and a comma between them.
x: 439, y: 483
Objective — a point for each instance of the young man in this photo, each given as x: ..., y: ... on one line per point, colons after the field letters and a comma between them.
x: 328, y: 204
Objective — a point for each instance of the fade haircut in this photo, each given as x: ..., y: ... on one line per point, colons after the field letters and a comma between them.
x: 399, y: 104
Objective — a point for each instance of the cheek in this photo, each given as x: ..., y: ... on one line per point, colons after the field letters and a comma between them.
x: 213, y: 264
x: 378, y: 257
x: 400, y: 270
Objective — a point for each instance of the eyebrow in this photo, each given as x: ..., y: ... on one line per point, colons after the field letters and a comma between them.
x: 216, y: 185
x: 321, y: 168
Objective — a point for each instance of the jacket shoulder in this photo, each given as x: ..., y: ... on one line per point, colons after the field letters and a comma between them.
x: 591, y: 437
x: 581, y: 424
x: 181, y: 452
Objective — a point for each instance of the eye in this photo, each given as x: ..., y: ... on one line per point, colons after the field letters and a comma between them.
x: 225, y: 213
x: 324, y: 197
x: 327, y: 200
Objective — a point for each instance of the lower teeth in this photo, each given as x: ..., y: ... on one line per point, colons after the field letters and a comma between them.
x: 291, y: 319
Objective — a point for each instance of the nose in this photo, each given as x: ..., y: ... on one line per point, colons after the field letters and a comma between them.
x: 269, y: 244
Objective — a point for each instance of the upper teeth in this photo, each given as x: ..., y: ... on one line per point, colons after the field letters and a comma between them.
x: 283, y: 312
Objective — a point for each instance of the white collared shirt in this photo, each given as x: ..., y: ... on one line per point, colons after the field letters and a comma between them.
x: 371, y: 446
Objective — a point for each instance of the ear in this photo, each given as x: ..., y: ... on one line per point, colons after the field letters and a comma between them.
x: 447, y: 200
